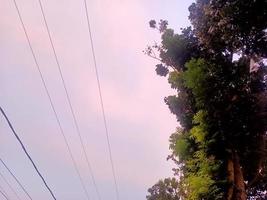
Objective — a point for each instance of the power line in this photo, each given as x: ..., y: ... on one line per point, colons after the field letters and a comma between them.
x: 2, y: 191
x: 101, y: 98
x: 51, y: 103
x: 27, y: 154
x: 10, y: 187
x: 22, y: 187
x: 4, y: 195
x: 69, y: 101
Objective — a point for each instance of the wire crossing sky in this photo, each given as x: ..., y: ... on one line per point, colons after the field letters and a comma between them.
x: 10, y: 187
x: 69, y: 102
x: 101, y: 100
x: 26, y: 152
x: 52, y: 106
x: 4, y: 195
x: 16, y: 179
x: 137, y: 121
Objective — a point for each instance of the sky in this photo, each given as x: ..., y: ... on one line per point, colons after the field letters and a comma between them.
x: 139, y: 122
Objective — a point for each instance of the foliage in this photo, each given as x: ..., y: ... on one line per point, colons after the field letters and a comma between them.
x: 166, y: 189
x: 219, y: 102
x: 231, y: 25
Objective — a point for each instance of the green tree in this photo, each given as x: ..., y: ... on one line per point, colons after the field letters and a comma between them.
x: 166, y: 189
x: 220, y: 146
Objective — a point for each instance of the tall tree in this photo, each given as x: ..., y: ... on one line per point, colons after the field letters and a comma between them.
x: 217, y: 67
x: 167, y: 189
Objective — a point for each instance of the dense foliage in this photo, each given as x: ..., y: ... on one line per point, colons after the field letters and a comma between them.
x: 167, y: 189
x: 217, y: 68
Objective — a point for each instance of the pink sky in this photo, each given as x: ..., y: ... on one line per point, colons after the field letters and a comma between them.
x: 139, y: 122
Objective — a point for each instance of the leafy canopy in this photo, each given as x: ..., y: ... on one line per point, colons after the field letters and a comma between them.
x: 218, y: 100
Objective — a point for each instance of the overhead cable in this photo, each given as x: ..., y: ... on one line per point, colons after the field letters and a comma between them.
x: 4, y: 195
x: 10, y: 187
x: 101, y: 98
x: 51, y: 103
x: 27, y: 154
x: 69, y: 101
x: 16, y: 179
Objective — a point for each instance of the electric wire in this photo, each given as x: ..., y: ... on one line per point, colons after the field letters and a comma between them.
x: 27, y: 154
x: 101, y: 98
x: 4, y: 195
x: 10, y: 187
x: 51, y: 103
x: 16, y: 179
x: 69, y: 100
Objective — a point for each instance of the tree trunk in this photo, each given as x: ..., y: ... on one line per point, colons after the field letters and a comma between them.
x: 230, y: 178
x: 237, y: 188
x: 240, y: 188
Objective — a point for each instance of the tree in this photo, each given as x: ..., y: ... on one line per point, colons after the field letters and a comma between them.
x: 231, y: 25
x: 220, y: 146
x: 166, y: 189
